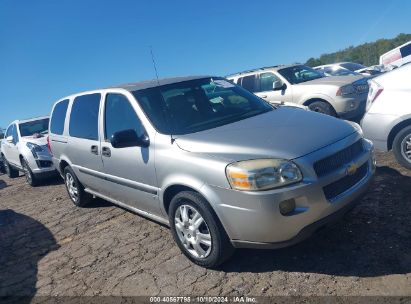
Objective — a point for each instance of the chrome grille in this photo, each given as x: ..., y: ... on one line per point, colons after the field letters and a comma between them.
x: 361, y: 88
x: 339, y: 159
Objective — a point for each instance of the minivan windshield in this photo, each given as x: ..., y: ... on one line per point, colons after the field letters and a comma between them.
x: 30, y: 128
x: 197, y: 105
x: 299, y: 73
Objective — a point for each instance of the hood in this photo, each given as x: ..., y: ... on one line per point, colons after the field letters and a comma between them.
x: 286, y: 133
x: 333, y: 80
x: 41, y: 141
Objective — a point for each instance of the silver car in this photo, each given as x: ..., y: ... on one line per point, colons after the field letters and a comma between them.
x: 223, y: 168
x: 342, y: 96
x: 24, y: 148
x: 388, y: 119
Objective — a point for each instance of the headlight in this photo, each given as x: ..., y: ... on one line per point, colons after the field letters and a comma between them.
x: 34, y: 148
x: 346, y: 90
x: 262, y: 174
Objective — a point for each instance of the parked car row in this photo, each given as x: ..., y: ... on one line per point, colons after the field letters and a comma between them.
x: 223, y: 167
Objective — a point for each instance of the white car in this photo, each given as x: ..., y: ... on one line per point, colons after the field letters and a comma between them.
x: 388, y: 119
x: 25, y: 148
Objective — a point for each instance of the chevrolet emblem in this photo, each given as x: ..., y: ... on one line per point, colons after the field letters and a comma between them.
x: 351, y: 169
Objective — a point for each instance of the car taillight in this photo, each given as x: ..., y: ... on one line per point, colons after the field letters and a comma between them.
x: 48, y: 145
x: 375, y: 91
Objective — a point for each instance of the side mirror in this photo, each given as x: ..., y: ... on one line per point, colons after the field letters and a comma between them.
x: 10, y: 138
x: 279, y: 85
x: 129, y: 138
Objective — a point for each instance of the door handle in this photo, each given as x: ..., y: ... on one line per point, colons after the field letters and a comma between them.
x: 263, y: 96
x: 106, y: 152
x: 94, y: 150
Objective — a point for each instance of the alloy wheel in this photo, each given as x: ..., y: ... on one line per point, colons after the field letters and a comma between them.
x: 406, y: 148
x: 193, y: 231
x: 27, y: 173
x: 71, y: 187
x: 7, y: 168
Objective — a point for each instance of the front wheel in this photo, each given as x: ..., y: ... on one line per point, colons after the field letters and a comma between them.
x: 402, y: 147
x: 30, y: 177
x: 322, y: 107
x: 197, y: 230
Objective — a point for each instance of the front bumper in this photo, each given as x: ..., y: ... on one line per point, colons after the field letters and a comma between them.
x: 253, y: 219
x: 304, y: 234
x: 354, y: 108
x: 42, y: 165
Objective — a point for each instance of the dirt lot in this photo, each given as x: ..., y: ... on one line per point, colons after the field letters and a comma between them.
x: 50, y: 247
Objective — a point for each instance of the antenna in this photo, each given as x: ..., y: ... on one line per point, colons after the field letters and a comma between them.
x: 154, y: 64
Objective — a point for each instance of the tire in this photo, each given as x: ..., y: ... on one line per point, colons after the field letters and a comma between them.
x: 2, y: 164
x: 10, y: 171
x: 215, y: 247
x: 31, y: 179
x: 322, y: 107
x: 401, y: 145
x: 75, y: 189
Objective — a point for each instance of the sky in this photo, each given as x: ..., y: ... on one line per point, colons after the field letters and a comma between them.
x: 51, y: 49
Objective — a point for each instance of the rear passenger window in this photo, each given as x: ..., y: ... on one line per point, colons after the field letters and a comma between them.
x: 248, y: 83
x: 119, y: 115
x: 84, y: 116
x: 58, y: 117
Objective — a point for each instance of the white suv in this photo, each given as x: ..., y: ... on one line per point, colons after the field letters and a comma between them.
x: 342, y: 96
x: 24, y: 148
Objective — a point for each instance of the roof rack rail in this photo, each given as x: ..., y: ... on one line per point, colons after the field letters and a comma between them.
x: 255, y: 70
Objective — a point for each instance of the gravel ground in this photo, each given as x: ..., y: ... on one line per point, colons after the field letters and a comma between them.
x: 50, y: 247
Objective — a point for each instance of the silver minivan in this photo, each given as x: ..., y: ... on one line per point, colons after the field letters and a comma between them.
x: 222, y: 167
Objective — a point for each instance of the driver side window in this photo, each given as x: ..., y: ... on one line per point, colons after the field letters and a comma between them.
x: 119, y: 115
x: 9, y: 131
x: 15, y: 135
x: 267, y: 80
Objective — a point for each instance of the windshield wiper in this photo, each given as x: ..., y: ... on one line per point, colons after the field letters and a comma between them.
x: 217, y: 122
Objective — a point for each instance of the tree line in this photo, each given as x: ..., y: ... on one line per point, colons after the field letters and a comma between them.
x: 366, y: 54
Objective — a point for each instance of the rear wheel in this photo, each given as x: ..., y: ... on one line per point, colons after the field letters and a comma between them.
x: 402, y: 147
x: 197, y: 230
x: 10, y: 171
x: 75, y: 189
x: 30, y: 177
x: 322, y: 107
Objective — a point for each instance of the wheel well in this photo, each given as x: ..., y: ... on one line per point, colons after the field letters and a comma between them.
x: 173, y: 191
x: 63, y: 165
x: 310, y: 101
x: 395, y: 131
